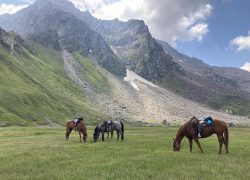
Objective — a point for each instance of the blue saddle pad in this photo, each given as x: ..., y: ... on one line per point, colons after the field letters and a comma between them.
x: 209, y: 121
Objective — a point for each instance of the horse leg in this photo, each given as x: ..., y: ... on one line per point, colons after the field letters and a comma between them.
x: 68, y: 131
x: 225, y: 144
x: 80, y: 135
x: 122, y: 135
x: 108, y: 134
x: 122, y: 138
x: 112, y: 134
x: 220, y: 139
x: 118, y: 134
x: 226, y: 139
x: 103, y: 135
x: 198, y: 143
x: 190, y: 143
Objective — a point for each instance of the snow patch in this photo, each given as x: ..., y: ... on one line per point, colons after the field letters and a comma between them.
x: 246, y: 67
x: 132, y: 76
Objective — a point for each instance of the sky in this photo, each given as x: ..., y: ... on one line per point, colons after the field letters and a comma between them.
x: 215, y: 31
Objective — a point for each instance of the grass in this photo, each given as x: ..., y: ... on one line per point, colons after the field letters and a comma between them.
x: 146, y: 153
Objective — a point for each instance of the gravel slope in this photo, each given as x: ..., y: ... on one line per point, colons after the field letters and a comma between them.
x: 135, y: 99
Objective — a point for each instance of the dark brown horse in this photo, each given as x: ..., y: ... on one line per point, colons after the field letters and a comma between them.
x: 80, y: 127
x: 189, y: 130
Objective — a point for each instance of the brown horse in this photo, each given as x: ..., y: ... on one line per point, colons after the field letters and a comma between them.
x: 80, y: 127
x: 189, y: 130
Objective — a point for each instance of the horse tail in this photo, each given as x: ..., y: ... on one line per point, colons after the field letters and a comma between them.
x: 226, y: 138
x: 122, y: 135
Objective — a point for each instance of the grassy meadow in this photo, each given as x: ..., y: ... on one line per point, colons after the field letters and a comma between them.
x: 146, y: 153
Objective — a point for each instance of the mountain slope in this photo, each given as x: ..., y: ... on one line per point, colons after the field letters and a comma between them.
x: 231, y: 85
x: 44, y: 19
x: 82, y: 64
x: 35, y: 89
x: 45, y: 86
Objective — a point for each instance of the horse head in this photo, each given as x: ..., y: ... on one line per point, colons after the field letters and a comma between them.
x: 96, y: 134
x: 176, y: 145
x: 85, y: 137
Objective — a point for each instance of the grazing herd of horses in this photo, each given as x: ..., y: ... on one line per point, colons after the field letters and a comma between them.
x: 105, y: 126
x: 188, y: 130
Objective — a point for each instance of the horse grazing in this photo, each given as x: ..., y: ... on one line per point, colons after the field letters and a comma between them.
x: 109, y: 126
x: 100, y: 128
x: 189, y: 129
x: 79, y: 126
x: 118, y: 127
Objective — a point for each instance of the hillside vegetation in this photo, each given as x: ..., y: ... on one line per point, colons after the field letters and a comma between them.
x: 35, y: 89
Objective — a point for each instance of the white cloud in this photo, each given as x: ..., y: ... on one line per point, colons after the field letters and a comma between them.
x: 179, y: 20
x: 169, y: 20
x: 197, y: 31
x: 241, y: 42
x: 246, y: 66
x: 90, y: 5
x: 11, y: 8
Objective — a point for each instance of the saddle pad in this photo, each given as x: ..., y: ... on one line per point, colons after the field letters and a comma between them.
x: 209, y: 121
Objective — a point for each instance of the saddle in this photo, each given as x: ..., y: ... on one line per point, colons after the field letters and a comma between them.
x: 76, y: 121
x: 201, y: 125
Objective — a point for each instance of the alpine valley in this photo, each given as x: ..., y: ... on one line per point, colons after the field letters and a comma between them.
x: 57, y: 62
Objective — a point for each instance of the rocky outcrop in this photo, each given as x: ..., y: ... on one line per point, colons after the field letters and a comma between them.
x: 49, y: 39
x: 6, y: 38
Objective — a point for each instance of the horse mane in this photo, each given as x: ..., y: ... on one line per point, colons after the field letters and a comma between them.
x: 181, y: 129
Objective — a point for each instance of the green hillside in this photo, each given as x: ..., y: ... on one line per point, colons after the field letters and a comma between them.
x: 35, y: 89
x: 232, y: 104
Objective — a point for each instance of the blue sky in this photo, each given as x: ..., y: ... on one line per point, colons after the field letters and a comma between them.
x: 230, y: 18
x: 213, y: 31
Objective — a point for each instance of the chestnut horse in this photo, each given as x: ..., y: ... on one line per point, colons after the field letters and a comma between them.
x: 189, y: 130
x: 80, y: 127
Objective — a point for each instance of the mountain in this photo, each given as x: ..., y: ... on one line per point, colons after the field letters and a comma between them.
x: 234, y: 83
x: 147, y: 59
x: 35, y: 88
x: 190, y: 77
x: 45, y: 18
x: 239, y: 78
x: 67, y: 52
